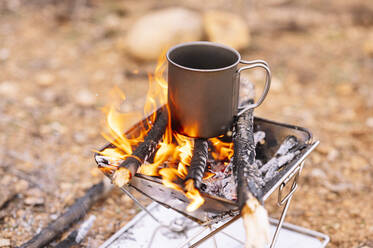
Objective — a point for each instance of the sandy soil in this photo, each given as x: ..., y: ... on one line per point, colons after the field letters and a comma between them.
x: 57, y: 69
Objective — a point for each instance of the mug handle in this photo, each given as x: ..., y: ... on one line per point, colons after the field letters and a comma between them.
x: 256, y: 64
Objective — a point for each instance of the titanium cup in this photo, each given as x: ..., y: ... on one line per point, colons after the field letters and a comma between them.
x: 203, y: 87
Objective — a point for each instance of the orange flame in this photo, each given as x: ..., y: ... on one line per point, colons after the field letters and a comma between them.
x: 222, y: 150
x: 174, y: 149
x: 193, y: 195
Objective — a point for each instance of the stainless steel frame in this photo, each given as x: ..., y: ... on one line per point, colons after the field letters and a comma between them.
x: 217, y: 209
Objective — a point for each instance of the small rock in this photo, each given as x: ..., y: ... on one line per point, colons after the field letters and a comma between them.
x: 345, y: 89
x: 4, y: 242
x: 276, y: 84
x: 85, y: 98
x: 45, y: 79
x: 161, y: 29
x: 369, y: 122
x: 31, y: 101
x: 367, y: 46
x: 333, y: 155
x: 49, y: 95
x: 21, y: 186
x: 34, y: 201
x: 54, y: 216
x: 35, y: 192
x: 4, y: 54
x: 8, y: 88
x: 112, y: 22
x: 318, y: 173
x: 80, y: 137
x: 226, y: 28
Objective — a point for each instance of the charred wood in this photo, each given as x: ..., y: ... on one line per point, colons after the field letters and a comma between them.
x: 77, y: 236
x: 127, y: 169
x: 279, y: 160
x: 73, y: 214
x: 245, y: 169
x: 198, y: 164
x: 249, y: 183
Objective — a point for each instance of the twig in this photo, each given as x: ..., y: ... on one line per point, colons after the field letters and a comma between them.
x: 77, y: 236
x: 127, y: 169
x: 73, y: 214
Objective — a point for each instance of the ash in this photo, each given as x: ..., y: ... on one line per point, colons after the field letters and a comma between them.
x: 223, y: 184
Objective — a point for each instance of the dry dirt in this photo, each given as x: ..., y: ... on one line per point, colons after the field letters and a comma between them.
x: 57, y: 66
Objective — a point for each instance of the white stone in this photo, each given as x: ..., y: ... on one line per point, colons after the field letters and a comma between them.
x: 161, y: 29
x: 45, y: 79
x: 4, y: 54
x: 226, y: 28
x: 85, y: 98
x: 369, y: 122
x: 34, y: 200
x: 8, y: 88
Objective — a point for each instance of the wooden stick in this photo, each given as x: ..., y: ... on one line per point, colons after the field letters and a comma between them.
x: 73, y: 214
x: 77, y: 236
x: 289, y: 143
x: 198, y: 164
x: 249, y: 183
x: 285, y: 154
x: 245, y: 170
x: 127, y: 169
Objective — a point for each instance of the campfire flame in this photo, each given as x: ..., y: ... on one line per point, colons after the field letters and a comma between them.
x: 223, y: 150
x: 174, y: 149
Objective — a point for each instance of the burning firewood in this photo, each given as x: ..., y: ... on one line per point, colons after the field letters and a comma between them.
x: 129, y: 166
x: 198, y: 165
x: 195, y: 174
x: 249, y: 182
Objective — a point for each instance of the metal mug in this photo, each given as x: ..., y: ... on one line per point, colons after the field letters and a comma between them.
x: 203, y: 87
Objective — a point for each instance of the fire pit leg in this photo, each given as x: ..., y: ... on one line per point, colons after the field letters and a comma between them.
x: 133, y: 198
x: 212, y: 233
x: 286, y: 200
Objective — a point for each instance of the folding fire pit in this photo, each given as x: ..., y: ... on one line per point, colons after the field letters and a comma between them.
x: 219, y: 212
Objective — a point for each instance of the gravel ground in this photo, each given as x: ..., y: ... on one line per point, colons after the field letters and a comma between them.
x: 56, y: 71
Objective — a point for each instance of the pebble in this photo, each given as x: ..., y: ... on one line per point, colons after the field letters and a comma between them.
x: 31, y: 101
x: 226, y: 28
x: 34, y: 201
x: 4, y: 54
x: 21, y: 186
x: 80, y: 137
x: 276, y: 84
x: 369, y: 122
x: 161, y: 29
x: 8, y: 88
x: 45, y: 79
x: 85, y: 98
x: 35, y: 192
x: 333, y: 155
x: 367, y: 46
x: 345, y: 89
x: 4, y: 242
